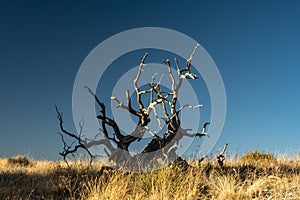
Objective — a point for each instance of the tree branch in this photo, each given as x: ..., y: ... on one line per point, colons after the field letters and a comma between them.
x: 139, y: 100
x: 68, y: 148
x: 221, y: 156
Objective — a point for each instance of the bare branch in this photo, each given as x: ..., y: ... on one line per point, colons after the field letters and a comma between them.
x: 188, y: 62
x: 159, y: 81
x: 224, y: 149
x: 130, y: 109
x: 151, y: 86
x: 188, y: 106
x: 153, y: 133
x: 157, y: 118
x: 177, y: 66
x: 106, y: 120
x: 95, y: 97
x: 100, y: 142
x: 60, y: 118
x: 139, y: 100
x: 185, y: 133
x: 68, y: 149
x: 221, y: 156
x: 108, y: 154
x: 205, y: 127
x: 170, y: 73
x: 173, y: 147
x: 120, y: 104
x: 187, y: 69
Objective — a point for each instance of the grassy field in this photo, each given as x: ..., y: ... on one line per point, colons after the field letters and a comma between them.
x: 246, y: 178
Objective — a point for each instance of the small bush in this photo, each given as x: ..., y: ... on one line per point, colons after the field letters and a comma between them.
x: 19, y: 161
x: 256, y: 156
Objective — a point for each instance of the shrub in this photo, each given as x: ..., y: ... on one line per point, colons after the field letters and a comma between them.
x: 19, y: 161
x: 257, y: 156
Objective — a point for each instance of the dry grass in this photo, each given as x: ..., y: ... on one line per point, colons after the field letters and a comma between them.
x: 21, y: 178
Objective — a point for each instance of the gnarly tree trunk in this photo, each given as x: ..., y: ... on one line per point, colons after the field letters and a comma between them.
x: 117, y: 144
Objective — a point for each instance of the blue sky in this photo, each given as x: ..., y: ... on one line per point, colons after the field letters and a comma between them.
x: 255, y: 45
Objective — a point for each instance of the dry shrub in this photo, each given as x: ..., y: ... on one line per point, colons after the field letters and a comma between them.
x: 21, y: 161
x: 254, y: 156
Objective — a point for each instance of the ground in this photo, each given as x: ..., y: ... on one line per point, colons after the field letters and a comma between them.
x: 247, y: 178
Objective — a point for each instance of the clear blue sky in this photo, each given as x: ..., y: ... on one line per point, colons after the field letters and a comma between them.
x: 255, y: 45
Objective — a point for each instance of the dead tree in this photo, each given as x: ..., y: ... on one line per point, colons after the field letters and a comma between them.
x: 162, y: 145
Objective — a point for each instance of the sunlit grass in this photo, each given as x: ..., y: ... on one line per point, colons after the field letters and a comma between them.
x: 240, y: 179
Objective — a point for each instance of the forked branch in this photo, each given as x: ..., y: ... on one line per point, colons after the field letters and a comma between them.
x: 70, y: 149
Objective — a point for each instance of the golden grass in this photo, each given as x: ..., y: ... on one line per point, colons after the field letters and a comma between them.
x: 261, y: 179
